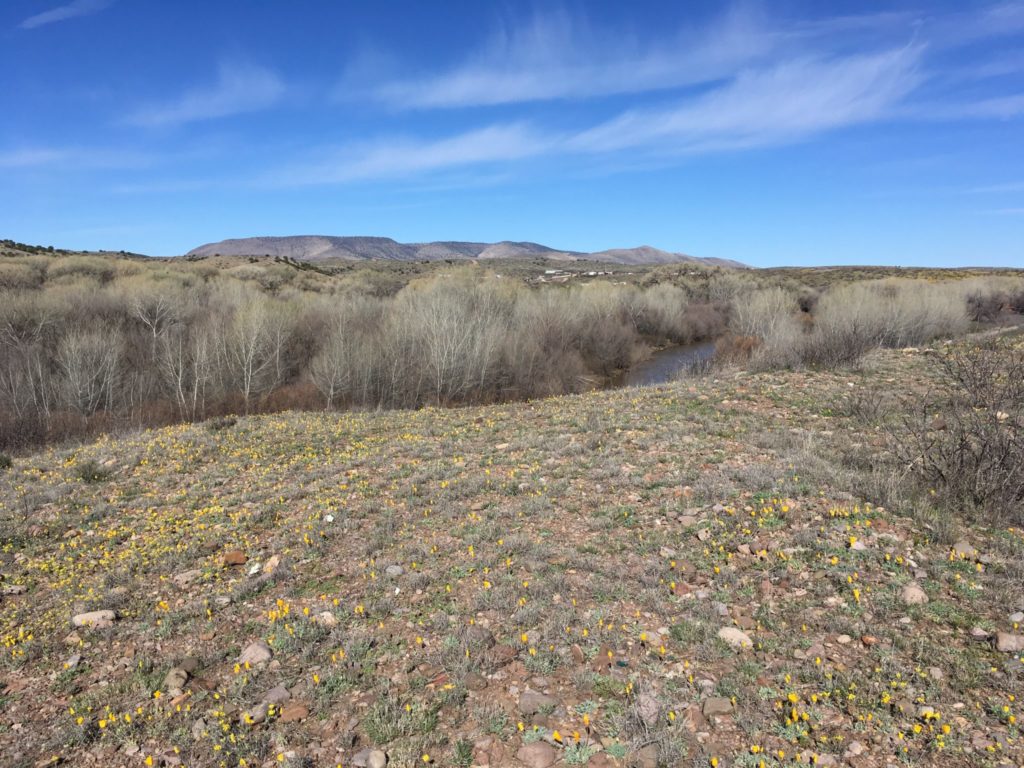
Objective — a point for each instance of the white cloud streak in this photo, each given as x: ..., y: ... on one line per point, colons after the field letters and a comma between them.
x: 404, y: 157
x: 758, y: 108
x: 72, y: 10
x: 238, y: 89
x: 66, y: 158
x: 558, y: 57
x: 765, y: 107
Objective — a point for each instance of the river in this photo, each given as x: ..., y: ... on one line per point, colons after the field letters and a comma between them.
x: 666, y: 364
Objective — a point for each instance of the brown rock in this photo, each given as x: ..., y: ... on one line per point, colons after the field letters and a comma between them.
x: 277, y: 695
x: 964, y: 550
x: 693, y: 720
x: 256, y: 653
x: 735, y: 638
x: 234, y: 557
x: 716, y: 706
x: 537, y: 755
x: 532, y: 702
x: 98, y: 619
x: 1009, y: 643
x: 174, y: 681
x: 913, y: 594
x: 293, y: 713
x: 577, y: 654
x: 647, y: 757
x: 475, y: 681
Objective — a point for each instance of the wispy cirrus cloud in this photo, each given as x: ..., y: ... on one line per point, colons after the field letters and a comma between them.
x: 71, y: 10
x: 239, y: 88
x: 1010, y: 186
x: 766, y: 107
x: 760, y: 107
x: 404, y: 157
x: 556, y: 56
x: 73, y: 158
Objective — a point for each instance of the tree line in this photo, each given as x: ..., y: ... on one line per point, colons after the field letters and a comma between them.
x: 108, y: 346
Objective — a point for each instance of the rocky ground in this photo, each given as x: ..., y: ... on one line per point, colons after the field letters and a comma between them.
x: 675, y: 576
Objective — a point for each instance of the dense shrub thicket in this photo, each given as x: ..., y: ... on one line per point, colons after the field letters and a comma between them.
x: 88, y: 343
x: 776, y: 327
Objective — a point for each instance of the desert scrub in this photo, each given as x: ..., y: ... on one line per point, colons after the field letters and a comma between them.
x: 964, y: 442
x: 91, y: 472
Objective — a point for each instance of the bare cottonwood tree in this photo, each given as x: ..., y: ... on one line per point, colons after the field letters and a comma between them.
x: 89, y: 362
x: 251, y: 345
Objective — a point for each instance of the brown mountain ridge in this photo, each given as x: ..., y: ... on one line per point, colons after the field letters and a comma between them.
x: 323, y: 248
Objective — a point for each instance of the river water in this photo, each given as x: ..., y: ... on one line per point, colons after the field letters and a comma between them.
x: 666, y: 364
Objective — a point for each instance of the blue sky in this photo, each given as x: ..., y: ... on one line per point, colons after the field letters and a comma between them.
x: 772, y: 132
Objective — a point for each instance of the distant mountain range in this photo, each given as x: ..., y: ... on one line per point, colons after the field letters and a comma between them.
x: 326, y: 248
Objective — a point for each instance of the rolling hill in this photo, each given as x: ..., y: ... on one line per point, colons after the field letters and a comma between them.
x: 328, y: 248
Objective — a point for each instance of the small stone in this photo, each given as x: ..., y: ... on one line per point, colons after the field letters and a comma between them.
x: 73, y: 661
x: 735, y: 638
x: 854, y: 750
x: 693, y: 720
x: 98, y: 619
x: 293, y: 713
x: 647, y: 757
x: 649, y: 709
x: 376, y: 759
x: 272, y: 564
x: 1017, y: 618
x: 913, y: 594
x: 977, y: 633
x: 234, y: 557
x: 256, y: 653
x: 475, y: 681
x: 277, y: 695
x: 185, y: 578
x: 964, y: 550
x: 327, y: 618
x: 540, y: 754
x: 394, y: 571
x: 1009, y: 643
x: 531, y: 702
x: 174, y: 680
x: 359, y: 758
x: 577, y: 654
x: 716, y: 705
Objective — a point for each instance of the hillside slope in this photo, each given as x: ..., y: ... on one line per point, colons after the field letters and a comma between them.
x: 324, y: 248
x: 664, y: 576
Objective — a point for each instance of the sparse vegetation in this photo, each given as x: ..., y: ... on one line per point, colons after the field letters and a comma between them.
x: 739, y: 555
x: 964, y: 442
